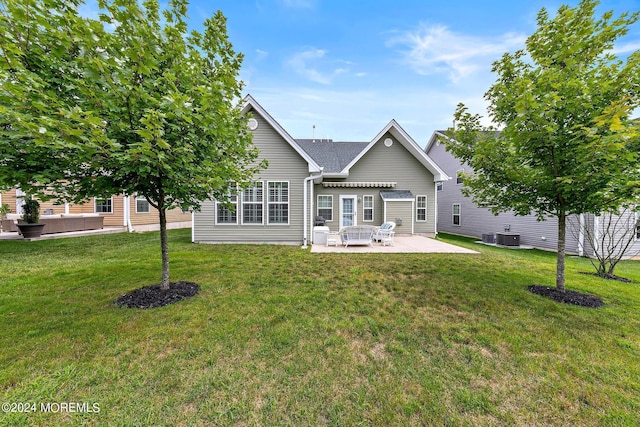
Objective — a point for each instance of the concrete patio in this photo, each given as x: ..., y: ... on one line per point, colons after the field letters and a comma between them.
x: 402, y: 244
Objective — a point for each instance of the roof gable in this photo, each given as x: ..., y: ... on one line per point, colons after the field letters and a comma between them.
x: 434, y: 138
x: 409, y: 144
x: 251, y: 103
x: 336, y: 158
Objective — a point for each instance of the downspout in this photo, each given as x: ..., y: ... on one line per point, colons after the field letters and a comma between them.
x: 305, y: 213
x: 581, y: 236
x: 435, y: 204
x: 193, y: 226
x: 127, y: 214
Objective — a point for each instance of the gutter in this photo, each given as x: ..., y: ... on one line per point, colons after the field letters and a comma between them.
x: 305, y: 209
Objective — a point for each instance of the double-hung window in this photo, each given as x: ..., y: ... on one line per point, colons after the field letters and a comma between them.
x: 367, y: 208
x: 325, y: 207
x: 278, y: 202
x: 227, y: 213
x: 142, y: 205
x: 104, y: 206
x: 456, y: 214
x: 252, y: 204
x: 421, y: 208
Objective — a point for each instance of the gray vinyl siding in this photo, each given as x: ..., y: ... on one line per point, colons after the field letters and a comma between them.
x: 476, y: 221
x: 400, y: 212
x: 285, y: 164
x: 398, y: 165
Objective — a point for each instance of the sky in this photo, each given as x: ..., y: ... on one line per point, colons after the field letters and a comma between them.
x: 350, y: 66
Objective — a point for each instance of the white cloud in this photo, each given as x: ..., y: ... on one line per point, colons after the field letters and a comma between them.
x: 261, y: 54
x: 436, y: 49
x: 628, y: 47
x: 308, y: 64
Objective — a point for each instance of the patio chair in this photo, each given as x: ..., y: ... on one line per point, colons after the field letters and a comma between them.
x: 387, y: 238
x: 385, y: 233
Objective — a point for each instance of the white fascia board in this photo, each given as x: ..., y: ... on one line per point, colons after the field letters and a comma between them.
x: 434, y: 138
x: 336, y: 175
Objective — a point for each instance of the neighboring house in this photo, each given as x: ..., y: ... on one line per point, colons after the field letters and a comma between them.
x: 118, y: 211
x: 389, y: 178
x: 458, y: 214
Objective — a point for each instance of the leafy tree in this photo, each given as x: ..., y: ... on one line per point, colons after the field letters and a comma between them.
x: 162, y: 102
x: 44, y: 129
x: 170, y: 99
x: 566, y: 144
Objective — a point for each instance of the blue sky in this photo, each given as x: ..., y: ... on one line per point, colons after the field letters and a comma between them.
x: 350, y: 66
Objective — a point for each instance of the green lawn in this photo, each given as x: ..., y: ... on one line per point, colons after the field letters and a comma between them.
x: 280, y: 336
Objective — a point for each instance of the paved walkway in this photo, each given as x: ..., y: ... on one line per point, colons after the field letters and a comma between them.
x: 402, y: 244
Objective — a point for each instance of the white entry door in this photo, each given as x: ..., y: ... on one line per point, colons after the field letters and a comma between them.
x: 348, y: 211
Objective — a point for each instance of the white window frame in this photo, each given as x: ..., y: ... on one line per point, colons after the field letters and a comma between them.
x: 419, y: 208
x: 95, y: 205
x: 459, y: 176
x: 329, y: 197
x: 454, y: 214
x: 146, y: 201
x: 233, y: 199
x: 254, y: 202
x: 365, y: 208
x: 271, y: 202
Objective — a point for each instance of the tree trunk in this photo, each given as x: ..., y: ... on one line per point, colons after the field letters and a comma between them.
x: 165, y: 248
x: 562, y: 237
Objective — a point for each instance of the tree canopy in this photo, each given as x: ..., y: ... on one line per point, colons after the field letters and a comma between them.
x: 45, y: 128
x: 566, y: 144
x: 133, y: 102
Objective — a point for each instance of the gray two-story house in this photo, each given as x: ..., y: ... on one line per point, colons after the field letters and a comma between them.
x: 389, y: 178
x: 458, y: 214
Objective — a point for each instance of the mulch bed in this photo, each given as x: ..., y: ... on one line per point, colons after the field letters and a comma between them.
x: 614, y: 277
x: 152, y: 296
x: 568, y: 297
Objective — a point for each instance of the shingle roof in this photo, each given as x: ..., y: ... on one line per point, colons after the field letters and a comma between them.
x: 334, y: 156
x: 396, y: 194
